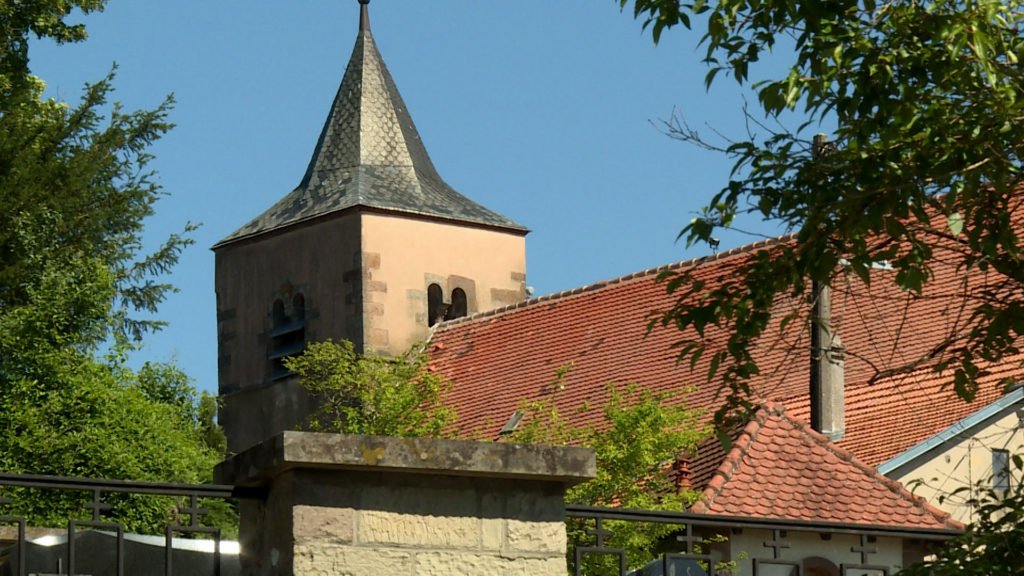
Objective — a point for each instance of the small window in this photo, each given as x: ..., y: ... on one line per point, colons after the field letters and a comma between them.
x: 287, y: 335
x: 1001, y: 470
x: 435, y: 305
x: 460, y: 305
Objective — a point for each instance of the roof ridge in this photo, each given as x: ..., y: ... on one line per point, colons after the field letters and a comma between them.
x: 601, y: 284
x: 845, y: 455
x: 731, y: 462
x: 746, y: 439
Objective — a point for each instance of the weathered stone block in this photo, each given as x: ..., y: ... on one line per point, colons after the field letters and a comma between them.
x: 492, y: 521
x: 536, y: 536
x: 361, y: 505
x: 376, y: 338
x: 454, y: 564
x: 502, y: 297
x: 379, y: 527
x: 555, y: 467
x: 323, y: 560
x: 319, y: 524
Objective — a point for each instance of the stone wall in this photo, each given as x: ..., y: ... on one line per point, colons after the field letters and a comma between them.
x: 425, y: 525
x: 322, y: 261
x: 354, y: 505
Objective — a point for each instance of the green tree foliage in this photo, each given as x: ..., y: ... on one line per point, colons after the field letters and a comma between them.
x: 66, y: 411
x: 76, y: 191
x: 43, y: 19
x: 75, y: 181
x: 926, y: 97
x: 637, y: 440
x: 75, y: 188
x: 372, y: 394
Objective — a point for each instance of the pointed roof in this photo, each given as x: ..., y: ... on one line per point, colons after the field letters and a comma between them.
x: 370, y: 154
x: 779, y: 468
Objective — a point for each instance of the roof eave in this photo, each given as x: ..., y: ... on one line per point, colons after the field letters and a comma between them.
x: 765, y: 523
x: 908, y: 457
x: 517, y: 229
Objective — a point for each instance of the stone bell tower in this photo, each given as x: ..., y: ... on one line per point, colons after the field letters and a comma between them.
x: 372, y: 246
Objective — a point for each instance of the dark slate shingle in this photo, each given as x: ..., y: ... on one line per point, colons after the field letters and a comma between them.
x: 370, y: 154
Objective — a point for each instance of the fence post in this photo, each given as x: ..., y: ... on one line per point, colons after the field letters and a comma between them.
x: 354, y: 505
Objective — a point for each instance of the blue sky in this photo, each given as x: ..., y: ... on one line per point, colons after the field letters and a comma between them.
x: 547, y: 112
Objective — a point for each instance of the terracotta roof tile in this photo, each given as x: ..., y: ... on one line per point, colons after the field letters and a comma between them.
x: 758, y: 478
x: 500, y: 359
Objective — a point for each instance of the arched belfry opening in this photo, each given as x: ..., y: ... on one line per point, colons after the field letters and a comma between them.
x: 436, y: 308
x: 459, y: 306
x: 440, y: 308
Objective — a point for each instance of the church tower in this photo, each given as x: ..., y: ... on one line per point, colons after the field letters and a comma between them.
x: 372, y: 246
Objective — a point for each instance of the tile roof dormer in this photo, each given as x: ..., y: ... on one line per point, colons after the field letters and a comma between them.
x: 370, y: 154
x: 779, y: 468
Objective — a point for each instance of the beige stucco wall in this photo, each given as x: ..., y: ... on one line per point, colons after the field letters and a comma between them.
x: 963, y: 462
x: 364, y: 276
x: 403, y: 255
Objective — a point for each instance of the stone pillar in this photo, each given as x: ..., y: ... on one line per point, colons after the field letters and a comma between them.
x: 355, y: 505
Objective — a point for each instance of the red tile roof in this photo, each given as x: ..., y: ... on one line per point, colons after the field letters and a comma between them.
x: 499, y: 359
x: 598, y: 335
x: 778, y: 468
x: 898, y: 412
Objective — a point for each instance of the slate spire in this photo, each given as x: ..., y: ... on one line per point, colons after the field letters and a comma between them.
x: 370, y: 154
x: 364, y: 16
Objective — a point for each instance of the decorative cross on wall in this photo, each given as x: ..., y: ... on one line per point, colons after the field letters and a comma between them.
x: 689, y: 539
x: 776, y: 543
x: 864, y: 549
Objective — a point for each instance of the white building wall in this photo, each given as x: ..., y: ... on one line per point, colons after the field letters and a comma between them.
x: 951, y: 475
x: 748, y: 545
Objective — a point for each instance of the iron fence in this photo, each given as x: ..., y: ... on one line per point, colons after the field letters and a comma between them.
x: 92, y: 543
x: 605, y: 542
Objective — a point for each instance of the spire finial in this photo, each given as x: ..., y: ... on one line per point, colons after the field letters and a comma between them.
x: 364, y: 16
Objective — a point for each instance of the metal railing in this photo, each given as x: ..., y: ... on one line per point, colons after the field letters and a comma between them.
x: 94, y: 544
x: 697, y: 544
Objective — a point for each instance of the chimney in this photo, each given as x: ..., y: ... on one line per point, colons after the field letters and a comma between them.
x: 820, y: 146
x: 828, y: 414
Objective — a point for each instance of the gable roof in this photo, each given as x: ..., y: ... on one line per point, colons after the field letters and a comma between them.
x: 1012, y: 401
x: 598, y: 335
x: 778, y: 468
x: 370, y: 154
